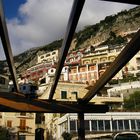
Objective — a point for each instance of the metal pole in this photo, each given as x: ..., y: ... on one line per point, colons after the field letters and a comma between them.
x: 7, y: 47
x: 81, y: 126
x: 72, y: 23
x: 121, y: 60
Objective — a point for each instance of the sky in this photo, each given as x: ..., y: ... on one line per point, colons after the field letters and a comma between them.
x: 33, y: 23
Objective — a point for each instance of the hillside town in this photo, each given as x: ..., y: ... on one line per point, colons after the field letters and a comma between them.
x: 82, y: 69
x: 66, y: 112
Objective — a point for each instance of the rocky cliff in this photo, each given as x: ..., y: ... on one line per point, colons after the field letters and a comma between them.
x: 114, y: 29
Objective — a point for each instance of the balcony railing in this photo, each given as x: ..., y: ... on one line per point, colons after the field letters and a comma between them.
x: 24, y: 129
x: 25, y: 115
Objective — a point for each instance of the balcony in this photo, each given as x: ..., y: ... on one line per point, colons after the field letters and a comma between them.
x: 24, y: 129
x: 25, y: 115
x: 101, y: 100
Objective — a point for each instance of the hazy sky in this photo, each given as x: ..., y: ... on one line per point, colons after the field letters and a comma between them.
x: 33, y: 23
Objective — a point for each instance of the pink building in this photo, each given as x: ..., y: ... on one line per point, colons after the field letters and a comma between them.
x: 83, y: 73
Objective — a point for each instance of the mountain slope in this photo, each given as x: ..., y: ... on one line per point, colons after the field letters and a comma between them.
x: 112, y: 30
x: 120, y: 23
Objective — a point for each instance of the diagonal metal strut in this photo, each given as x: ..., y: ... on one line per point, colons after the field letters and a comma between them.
x: 7, y: 47
x: 127, y: 53
x: 72, y: 23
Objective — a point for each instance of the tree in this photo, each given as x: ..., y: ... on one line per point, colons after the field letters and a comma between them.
x: 112, y: 35
x: 133, y: 101
x: 66, y: 136
x: 4, y: 134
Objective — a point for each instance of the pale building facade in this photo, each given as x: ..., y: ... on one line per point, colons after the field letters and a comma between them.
x: 66, y: 91
x: 100, y: 124
x: 124, y: 89
x: 20, y: 125
x: 107, y: 54
x: 48, y: 57
x: 72, y: 91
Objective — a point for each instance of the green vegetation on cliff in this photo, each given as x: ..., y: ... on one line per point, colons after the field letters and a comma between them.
x: 121, y: 22
x: 106, y: 32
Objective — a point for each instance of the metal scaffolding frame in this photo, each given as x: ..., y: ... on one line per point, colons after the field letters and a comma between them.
x: 11, y: 102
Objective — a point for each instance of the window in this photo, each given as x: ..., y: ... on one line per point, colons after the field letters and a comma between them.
x: 63, y: 94
x: 87, y: 125
x: 23, y: 114
x: 82, y: 69
x: 73, y: 125
x: 71, y: 55
x: 40, y: 118
x: 120, y: 124
x: 138, y: 124
x: 53, y: 58
x: 126, y: 124
x: 24, y: 87
x: 2, y: 80
x: 42, y: 57
x: 107, y: 125
x: 47, y: 55
x: 43, y: 81
x: 22, y: 124
x: 66, y: 69
x: 101, y: 125
x: 94, y: 125
x: 71, y: 60
x: 114, y: 124
x: 112, y: 58
x: 133, y: 125
x: 79, y: 53
x: 9, y: 123
x: 75, y: 93
x: 118, y: 50
x: 53, y: 53
x: 73, y: 70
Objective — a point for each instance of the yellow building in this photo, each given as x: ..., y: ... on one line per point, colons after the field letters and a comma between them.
x: 102, y: 54
x: 67, y: 91
x: 20, y: 125
x: 72, y: 91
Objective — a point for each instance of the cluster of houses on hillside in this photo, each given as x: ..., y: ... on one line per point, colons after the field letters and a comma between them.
x: 82, y: 65
x: 81, y: 70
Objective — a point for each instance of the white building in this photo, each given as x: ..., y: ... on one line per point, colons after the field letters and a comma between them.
x: 47, y: 79
x: 100, y: 124
x: 48, y: 57
x: 124, y: 89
